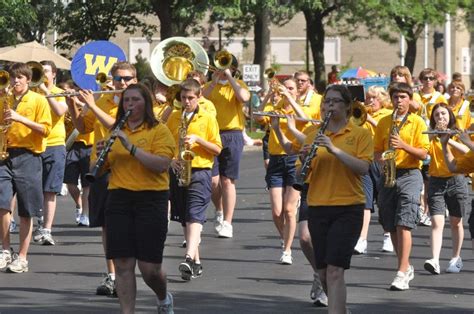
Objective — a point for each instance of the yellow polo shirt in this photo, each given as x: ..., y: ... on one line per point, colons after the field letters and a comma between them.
x: 311, y: 107
x: 105, y: 103
x: 207, y: 105
x: 204, y: 125
x: 379, y: 114
x: 274, y: 145
x: 159, y: 109
x: 463, y: 114
x: 438, y: 167
x: 465, y: 163
x: 57, y: 136
x: 86, y: 138
x: 331, y: 183
x: 411, y: 133
x: 34, y: 107
x: 127, y: 172
x: 429, y: 101
x: 228, y: 108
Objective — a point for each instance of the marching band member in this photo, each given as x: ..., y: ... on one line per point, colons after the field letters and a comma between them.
x: 136, y: 212
x: 99, y: 118
x: 401, y: 74
x: 377, y: 101
x: 189, y: 203
x: 203, y: 102
x: 54, y: 158
x: 228, y: 96
x: 308, y: 98
x: 20, y: 173
x: 281, y: 171
x: 458, y: 105
x: 399, y: 204
x: 335, y: 193
x: 445, y: 190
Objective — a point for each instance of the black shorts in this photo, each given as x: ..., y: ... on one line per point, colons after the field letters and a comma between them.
x: 54, y: 159
x: 137, y: 224
x: 21, y: 174
x: 77, y: 164
x: 97, y: 199
x: 189, y: 204
x: 334, y: 233
x: 228, y: 162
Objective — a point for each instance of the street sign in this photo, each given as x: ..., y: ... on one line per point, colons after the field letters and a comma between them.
x: 251, y: 72
x: 255, y: 88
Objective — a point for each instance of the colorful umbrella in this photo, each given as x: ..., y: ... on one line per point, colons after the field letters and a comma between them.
x: 357, y: 73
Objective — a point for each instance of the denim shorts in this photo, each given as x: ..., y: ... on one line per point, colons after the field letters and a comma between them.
x: 228, y: 162
x: 54, y: 159
x: 77, y: 164
x: 451, y: 193
x: 189, y: 204
x: 281, y: 171
x: 399, y: 205
x: 21, y: 173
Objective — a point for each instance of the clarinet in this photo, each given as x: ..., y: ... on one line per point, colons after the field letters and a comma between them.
x: 311, y: 154
x: 92, y: 176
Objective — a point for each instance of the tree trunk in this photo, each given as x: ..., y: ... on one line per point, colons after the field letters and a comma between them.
x: 315, y: 32
x: 262, y: 43
x: 410, y: 55
x: 164, y: 12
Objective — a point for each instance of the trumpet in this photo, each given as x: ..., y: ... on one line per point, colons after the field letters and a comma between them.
x: 97, y: 92
x: 91, y: 176
x: 222, y: 61
x: 273, y: 83
x: 359, y: 113
x: 101, y: 79
x: 282, y: 116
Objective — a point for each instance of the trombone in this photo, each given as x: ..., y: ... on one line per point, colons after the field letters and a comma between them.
x: 222, y: 61
x: 37, y: 76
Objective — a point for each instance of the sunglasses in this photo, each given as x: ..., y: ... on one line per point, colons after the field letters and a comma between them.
x: 119, y: 78
x: 429, y: 78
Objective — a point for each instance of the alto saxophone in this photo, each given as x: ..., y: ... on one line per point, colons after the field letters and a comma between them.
x: 4, y: 131
x: 185, y: 155
x: 388, y: 156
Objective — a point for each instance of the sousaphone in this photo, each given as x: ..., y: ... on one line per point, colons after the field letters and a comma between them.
x: 173, y: 58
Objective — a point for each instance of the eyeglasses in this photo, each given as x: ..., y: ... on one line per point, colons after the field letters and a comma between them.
x: 429, y: 78
x: 119, y: 78
x: 333, y: 101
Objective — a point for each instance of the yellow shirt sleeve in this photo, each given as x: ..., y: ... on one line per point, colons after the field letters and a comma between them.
x: 208, y: 106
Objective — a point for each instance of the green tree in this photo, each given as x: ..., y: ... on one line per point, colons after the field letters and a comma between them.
x: 13, y: 14
x: 83, y: 21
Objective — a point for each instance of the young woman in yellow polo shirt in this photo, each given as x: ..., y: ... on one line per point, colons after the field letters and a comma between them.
x: 335, y: 194
x: 281, y: 171
x: 445, y: 190
x: 459, y: 105
x: 136, y: 211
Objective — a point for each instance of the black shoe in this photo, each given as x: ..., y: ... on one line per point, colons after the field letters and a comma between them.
x: 197, y: 270
x: 107, y: 287
x: 186, y: 269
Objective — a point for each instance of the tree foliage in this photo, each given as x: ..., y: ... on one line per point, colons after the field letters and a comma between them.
x: 83, y: 21
x: 14, y: 14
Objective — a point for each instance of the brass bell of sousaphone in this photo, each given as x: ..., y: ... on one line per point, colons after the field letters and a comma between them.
x: 173, y: 58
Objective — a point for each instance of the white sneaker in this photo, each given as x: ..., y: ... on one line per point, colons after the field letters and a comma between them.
x: 455, y: 265
x: 5, y: 258
x: 64, y: 190
x: 166, y: 308
x: 425, y: 220
x: 317, y: 293
x: 361, y: 246
x: 432, y: 266
x: 19, y: 265
x: 77, y: 214
x: 387, y: 243
x: 402, y: 279
x: 286, y: 258
x: 13, y: 226
x: 38, y: 234
x: 83, y: 221
x: 218, y: 220
x: 226, y: 230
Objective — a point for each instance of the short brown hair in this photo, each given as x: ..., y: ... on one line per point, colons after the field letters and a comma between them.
x: 401, y: 88
x: 199, y: 74
x: 457, y: 84
x: 427, y: 71
x: 20, y: 68
x: 402, y: 70
x: 54, y: 69
x: 191, y: 85
x: 123, y: 65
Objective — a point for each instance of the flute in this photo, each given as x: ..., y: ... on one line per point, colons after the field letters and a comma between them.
x: 448, y: 131
x: 72, y: 94
x: 278, y: 115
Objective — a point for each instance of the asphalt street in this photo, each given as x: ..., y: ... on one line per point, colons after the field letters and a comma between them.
x: 241, y: 275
